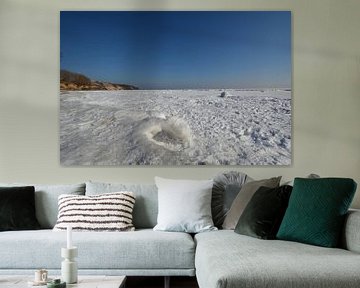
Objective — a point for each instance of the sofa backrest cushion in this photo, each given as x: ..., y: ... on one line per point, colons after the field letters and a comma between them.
x: 46, y: 200
x: 146, y: 204
x: 350, y: 238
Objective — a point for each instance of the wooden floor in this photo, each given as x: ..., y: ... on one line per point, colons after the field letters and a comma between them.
x: 158, y: 282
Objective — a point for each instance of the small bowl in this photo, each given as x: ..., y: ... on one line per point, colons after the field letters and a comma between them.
x: 56, y: 283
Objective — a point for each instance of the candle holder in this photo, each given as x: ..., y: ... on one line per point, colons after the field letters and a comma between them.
x: 69, y: 271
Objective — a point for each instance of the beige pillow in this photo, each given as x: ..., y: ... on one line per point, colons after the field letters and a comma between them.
x: 243, y: 198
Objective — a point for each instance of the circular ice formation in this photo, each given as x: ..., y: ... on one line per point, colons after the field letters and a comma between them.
x: 173, y: 134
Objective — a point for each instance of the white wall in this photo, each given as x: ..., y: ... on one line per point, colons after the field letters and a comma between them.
x: 326, y: 90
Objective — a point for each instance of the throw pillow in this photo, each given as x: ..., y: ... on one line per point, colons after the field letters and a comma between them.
x: 226, y: 187
x: 316, y: 211
x: 184, y: 205
x: 17, y: 209
x: 243, y: 198
x: 106, y: 212
x: 263, y: 215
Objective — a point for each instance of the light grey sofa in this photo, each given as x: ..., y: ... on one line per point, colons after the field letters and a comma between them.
x: 226, y: 259
x: 220, y: 259
x: 143, y: 252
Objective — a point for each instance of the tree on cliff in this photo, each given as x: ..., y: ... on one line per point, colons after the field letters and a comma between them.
x: 71, y: 77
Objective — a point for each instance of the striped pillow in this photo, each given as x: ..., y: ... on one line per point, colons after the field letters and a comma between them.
x: 105, y: 212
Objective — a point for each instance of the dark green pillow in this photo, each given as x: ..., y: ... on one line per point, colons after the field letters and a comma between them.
x: 316, y: 211
x: 17, y: 208
x: 264, y: 213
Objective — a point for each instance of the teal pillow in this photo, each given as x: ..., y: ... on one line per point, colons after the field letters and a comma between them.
x: 316, y: 211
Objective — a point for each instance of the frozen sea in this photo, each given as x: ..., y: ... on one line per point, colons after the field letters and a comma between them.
x: 175, y: 127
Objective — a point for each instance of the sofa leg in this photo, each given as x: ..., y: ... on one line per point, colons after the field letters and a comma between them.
x: 167, y: 282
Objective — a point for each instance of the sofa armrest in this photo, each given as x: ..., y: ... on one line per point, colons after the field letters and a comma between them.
x: 351, y: 233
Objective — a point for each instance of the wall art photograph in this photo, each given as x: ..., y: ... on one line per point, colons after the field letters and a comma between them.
x: 175, y: 88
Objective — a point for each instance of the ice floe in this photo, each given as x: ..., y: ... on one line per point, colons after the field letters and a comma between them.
x: 176, y: 127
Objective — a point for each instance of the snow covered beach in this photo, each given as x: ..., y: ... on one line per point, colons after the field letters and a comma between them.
x: 175, y: 127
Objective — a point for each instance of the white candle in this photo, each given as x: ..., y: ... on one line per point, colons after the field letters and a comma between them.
x: 69, y: 239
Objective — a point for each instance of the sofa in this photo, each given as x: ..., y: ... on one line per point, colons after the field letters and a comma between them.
x: 226, y: 259
x: 218, y: 259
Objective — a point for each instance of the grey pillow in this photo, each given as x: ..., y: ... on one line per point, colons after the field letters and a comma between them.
x: 46, y: 200
x: 226, y: 187
x: 146, y: 204
x: 310, y: 176
x: 184, y: 205
x: 243, y: 198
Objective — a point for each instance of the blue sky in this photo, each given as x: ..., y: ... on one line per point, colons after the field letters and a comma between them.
x: 179, y: 50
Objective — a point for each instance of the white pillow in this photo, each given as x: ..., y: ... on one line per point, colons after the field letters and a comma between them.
x: 184, y: 205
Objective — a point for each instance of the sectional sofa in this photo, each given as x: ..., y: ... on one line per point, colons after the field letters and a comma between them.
x: 219, y: 259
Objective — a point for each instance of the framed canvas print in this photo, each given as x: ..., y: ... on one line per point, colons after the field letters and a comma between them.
x: 175, y: 88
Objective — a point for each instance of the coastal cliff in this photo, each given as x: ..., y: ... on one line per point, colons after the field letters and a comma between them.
x: 70, y: 81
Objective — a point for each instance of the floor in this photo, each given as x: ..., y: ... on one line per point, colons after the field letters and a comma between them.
x: 158, y: 282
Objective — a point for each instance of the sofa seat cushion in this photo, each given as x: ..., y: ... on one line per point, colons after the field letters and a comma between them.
x: 142, y: 249
x: 226, y: 259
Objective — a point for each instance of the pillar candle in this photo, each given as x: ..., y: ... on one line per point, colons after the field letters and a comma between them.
x: 69, y: 237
